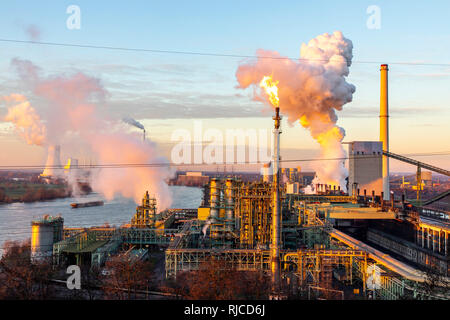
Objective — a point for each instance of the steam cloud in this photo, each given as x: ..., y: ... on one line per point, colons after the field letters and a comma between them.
x: 310, y: 89
x: 73, y: 109
x: 27, y: 122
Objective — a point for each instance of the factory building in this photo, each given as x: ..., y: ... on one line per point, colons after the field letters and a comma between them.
x: 365, y: 167
x: 192, y: 178
x: 292, y: 188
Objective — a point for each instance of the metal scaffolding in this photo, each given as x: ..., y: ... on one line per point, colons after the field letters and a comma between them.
x: 316, y: 266
x: 178, y: 260
x: 253, y: 209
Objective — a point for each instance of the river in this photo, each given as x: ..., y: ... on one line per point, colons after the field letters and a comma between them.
x: 15, y: 218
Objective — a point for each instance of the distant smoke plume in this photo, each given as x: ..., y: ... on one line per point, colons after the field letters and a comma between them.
x: 133, y: 122
x: 311, y: 89
x: 27, y: 122
x: 33, y: 32
x: 74, y: 107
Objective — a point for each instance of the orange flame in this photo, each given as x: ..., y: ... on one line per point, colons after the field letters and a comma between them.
x: 271, y: 89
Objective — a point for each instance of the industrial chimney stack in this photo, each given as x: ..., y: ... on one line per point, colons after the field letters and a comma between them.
x: 276, y: 210
x: 384, y: 127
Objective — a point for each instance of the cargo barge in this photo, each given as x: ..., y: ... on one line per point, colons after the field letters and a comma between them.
x: 86, y: 204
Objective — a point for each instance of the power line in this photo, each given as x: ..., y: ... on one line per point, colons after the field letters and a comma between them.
x: 167, y: 164
x: 210, y: 54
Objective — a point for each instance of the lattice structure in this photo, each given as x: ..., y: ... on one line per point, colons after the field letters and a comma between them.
x: 189, y: 259
x: 316, y: 266
x: 312, y: 228
x: 253, y: 208
x: 311, y: 266
x: 90, y: 240
x: 145, y: 216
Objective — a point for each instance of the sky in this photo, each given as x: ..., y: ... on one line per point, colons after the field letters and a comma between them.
x: 167, y: 91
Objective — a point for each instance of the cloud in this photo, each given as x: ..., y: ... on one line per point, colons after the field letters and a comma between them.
x: 398, y: 112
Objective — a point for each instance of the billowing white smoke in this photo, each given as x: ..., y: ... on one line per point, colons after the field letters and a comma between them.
x: 310, y: 90
x: 27, y: 122
x: 73, y: 109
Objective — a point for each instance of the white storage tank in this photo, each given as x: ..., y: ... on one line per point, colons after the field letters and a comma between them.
x: 44, y: 233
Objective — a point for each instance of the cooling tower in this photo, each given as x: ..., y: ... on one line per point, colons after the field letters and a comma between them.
x: 53, y: 166
x: 72, y: 163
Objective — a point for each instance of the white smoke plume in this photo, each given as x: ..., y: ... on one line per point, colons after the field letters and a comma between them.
x: 205, y: 227
x: 74, y: 110
x: 133, y: 122
x: 310, y: 90
x: 27, y: 122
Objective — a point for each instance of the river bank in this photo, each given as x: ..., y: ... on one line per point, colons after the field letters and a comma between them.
x: 21, y: 191
x: 15, y: 218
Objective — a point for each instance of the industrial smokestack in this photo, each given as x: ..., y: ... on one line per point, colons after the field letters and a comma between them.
x: 276, y: 210
x: 134, y: 123
x: 384, y: 127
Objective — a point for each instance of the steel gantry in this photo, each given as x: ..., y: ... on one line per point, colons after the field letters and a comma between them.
x: 316, y: 266
x: 178, y: 260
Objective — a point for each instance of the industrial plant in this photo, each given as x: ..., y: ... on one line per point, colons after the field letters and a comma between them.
x: 360, y: 243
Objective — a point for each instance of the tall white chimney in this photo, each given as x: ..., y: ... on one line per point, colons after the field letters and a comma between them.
x: 384, y: 128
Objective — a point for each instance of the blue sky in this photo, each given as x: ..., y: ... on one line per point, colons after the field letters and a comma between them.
x: 146, y: 85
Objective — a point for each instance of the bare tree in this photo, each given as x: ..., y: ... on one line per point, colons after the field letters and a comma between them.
x: 213, y: 281
x: 21, y: 279
x: 124, y: 278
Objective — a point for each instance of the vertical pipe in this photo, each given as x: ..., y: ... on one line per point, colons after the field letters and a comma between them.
x: 439, y: 243
x: 229, y: 205
x: 423, y: 237
x: 392, y: 200
x: 446, y: 244
x: 215, y: 199
x: 384, y: 127
x: 419, y: 183
x: 418, y: 236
